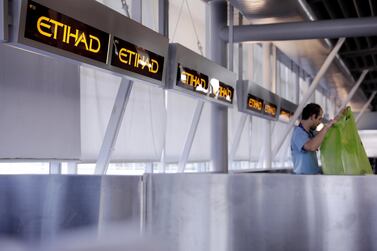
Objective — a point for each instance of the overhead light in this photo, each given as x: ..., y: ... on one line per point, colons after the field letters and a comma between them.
x: 256, y: 5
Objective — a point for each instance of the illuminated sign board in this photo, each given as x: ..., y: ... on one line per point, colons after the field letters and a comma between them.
x: 287, y: 109
x: 285, y: 115
x: 52, y: 28
x: 136, y: 59
x: 200, y: 83
x: 192, y: 80
x: 270, y: 109
x: 253, y: 99
x: 221, y: 91
x: 197, y: 76
x: 88, y: 32
x: 254, y: 103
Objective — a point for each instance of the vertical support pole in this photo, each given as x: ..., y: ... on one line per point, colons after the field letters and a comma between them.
x: 163, y: 28
x: 237, y: 136
x: 353, y: 90
x: 243, y: 118
x: 163, y: 152
x: 297, y: 99
x: 4, y: 20
x: 163, y: 17
x: 365, y: 107
x: 273, y: 65
x: 55, y: 167
x: 230, y: 44
x: 217, y: 16
x: 308, y: 94
x: 190, y: 136
x: 113, y: 126
x: 240, y: 53
x: 267, y: 160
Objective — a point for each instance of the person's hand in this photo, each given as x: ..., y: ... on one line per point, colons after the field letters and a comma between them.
x: 341, y: 113
x: 329, y: 124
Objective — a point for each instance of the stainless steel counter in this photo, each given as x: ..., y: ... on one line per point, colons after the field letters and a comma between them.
x: 217, y: 212
x: 40, y: 208
x: 200, y: 212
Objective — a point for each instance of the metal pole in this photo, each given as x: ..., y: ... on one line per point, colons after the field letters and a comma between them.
x: 163, y: 152
x: 113, y: 126
x: 4, y: 18
x: 190, y: 136
x: 240, y: 53
x: 242, y: 121
x: 308, y: 94
x: 163, y: 17
x: 365, y: 107
x: 230, y: 44
x: 297, y: 98
x: 163, y: 28
x: 241, y: 124
x: 266, y: 154
x: 55, y: 167
x: 333, y: 28
x: 217, y: 16
x: 354, y: 89
x: 274, y: 69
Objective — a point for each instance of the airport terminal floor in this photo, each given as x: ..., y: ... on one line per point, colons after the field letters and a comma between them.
x: 180, y: 125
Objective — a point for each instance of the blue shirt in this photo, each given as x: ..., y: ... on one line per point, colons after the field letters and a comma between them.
x: 304, y: 162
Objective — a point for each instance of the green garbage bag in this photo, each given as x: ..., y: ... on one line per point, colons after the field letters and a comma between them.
x: 342, y: 151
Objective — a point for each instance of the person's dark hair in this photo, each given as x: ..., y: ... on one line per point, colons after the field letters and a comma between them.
x: 311, y: 109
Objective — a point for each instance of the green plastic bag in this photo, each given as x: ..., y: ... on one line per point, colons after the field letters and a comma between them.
x: 342, y: 151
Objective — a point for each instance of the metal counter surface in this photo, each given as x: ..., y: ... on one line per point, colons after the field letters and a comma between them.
x: 219, y: 212
x: 200, y: 212
x: 41, y: 207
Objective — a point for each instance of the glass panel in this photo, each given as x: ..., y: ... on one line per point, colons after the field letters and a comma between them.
x: 25, y: 168
x: 86, y: 169
x: 257, y: 64
x: 127, y: 168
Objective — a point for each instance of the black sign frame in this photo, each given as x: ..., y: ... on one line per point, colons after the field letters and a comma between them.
x: 99, y: 17
x: 144, y: 62
x: 47, y: 26
x: 218, y: 81
x: 248, y: 90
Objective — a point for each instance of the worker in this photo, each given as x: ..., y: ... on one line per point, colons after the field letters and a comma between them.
x: 306, y: 140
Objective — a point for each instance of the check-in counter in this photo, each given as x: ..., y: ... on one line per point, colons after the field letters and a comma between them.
x: 199, y: 211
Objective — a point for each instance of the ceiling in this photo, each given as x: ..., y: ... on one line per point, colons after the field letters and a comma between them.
x: 356, y: 54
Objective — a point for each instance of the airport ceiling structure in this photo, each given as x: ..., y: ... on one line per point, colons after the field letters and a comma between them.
x: 358, y: 53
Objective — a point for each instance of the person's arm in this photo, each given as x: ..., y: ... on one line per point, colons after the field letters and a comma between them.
x: 313, y: 144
